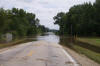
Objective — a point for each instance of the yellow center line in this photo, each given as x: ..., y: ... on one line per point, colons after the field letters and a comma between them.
x: 30, y: 53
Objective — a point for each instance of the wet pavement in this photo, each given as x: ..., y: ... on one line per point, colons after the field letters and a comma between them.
x: 38, y: 53
x: 46, y: 51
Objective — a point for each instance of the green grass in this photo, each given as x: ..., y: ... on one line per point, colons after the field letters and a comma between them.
x: 92, y: 41
x: 86, y: 50
x: 90, y: 54
x: 15, y: 42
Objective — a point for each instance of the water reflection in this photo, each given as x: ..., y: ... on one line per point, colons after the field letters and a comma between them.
x: 67, y: 41
x: 73, y: 43
x: 50, y: 37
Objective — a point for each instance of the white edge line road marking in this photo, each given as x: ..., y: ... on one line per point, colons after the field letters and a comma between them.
x: 70, y: 58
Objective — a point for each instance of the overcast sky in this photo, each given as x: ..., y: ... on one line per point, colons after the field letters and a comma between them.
x: 45, y: 10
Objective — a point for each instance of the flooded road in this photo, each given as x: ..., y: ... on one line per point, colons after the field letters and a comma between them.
x: 44, y: 52
x: 49, y: 37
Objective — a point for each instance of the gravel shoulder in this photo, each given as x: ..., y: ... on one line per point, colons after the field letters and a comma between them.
x: 81, y: 59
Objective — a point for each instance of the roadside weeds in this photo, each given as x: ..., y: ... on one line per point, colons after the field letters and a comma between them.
x: 81, y: 59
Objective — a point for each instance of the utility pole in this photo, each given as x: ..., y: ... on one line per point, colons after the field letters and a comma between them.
x: 71, y: 30
x: 71, y: 34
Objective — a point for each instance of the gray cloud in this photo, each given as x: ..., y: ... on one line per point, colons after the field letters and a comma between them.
x: 44, y: 9
x: 27, y: 1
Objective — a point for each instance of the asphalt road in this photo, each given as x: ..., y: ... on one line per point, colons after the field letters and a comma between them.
x: 39, y: 53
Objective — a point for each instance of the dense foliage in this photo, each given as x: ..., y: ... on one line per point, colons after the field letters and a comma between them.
x: 82, y: 20
x: 19, y: 22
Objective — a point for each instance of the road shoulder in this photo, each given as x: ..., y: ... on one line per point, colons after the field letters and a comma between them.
x: 81, y: 59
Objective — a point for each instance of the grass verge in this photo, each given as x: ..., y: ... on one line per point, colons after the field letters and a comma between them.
x: 90, y: 54
x: 15, y: 42
x: 92, y: 41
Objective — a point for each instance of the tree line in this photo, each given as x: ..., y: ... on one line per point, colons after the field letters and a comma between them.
x: 19, y: 22
x: 82, y: 20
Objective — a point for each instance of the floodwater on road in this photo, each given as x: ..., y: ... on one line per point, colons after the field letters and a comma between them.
x: 43, y: 52
x: 49, y: 37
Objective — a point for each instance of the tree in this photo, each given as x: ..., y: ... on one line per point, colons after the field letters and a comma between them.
x: 82, y: 20
x: 19, y: 22
x: 58, y: 20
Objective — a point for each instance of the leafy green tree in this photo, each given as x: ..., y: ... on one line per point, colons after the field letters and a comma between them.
x: 82, y: 20
x: 19, y: 22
